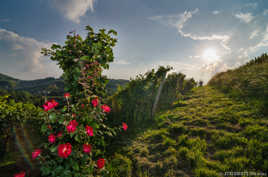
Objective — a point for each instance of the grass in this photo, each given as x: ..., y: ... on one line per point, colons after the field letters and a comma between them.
x: 205, y: 136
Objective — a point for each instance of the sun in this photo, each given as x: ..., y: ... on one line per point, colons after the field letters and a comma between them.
x: 210, y: 54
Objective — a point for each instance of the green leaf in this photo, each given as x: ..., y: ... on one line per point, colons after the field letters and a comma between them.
x: 52, y: 117
x: 84, y: 58
x: 95, y: 125
x: 77, y: 138
x: 44, y: 128
x: 61, y: 120
x: 75, y: 166
x: 45, y: 171
x: 53, y: 148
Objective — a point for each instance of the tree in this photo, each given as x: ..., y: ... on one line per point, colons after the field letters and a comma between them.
x: 76, y: 133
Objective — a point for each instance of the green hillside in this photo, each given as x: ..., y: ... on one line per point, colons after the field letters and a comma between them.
x: 6, y: 78
x: 47, y: 86
x: 219, y: 128
x: 248, y: 82
x: 205, y: 135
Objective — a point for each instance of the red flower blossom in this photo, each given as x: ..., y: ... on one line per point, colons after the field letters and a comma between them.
x: 52, y: 138
x: 64, y: 150
x: 100, y: 163
x: 46, y: 108
x: 106, y: 108
x: 59, y: 135
x: 50, y: 105
x: 87, y: 148
x: 67, y: 95
x: 95, y: 102
x: 54, y: 103
x: 124, y: 126
x: 36, y: 153
x: 71, y: 127
x: 21, y: 174
x: 89, y: 130
x: 82, y: 105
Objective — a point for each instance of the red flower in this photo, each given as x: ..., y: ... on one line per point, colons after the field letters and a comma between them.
x: 124, y: 126
x: 52, y: 138
x: 46, y: 108
x: 36, y: 153
x: 106, y: 108
x: 82, y: 105
x: 59, y: 135
x: 89, y: 130
x: 95, y: 102
x: 21, y: 174
x: 50, y: 105
x: 64, y: 150
x: 87, y: 148
x: 54, y: 103
x: 71, y: 127
x: 100, y: 163
x: 67, y: 95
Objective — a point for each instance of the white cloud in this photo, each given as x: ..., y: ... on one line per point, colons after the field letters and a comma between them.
x: 224, y: 39
x: 265, y: 12
x: 244, y: 17
x: 20, y: 57
x: 254, y: 34
x: 261, y: 46
x: 215, y: 12
x: 179, y: 22
x: 215, y: 67
x: 194, y: 57
x: 74, y: 9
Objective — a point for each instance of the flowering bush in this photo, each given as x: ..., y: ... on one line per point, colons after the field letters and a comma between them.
x: 76, y: 134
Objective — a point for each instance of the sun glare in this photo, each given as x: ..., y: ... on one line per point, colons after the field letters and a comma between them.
x: 210, y: 54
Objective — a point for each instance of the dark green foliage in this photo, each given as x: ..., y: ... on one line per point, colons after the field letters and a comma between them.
x: 135, y: 103
x: 80, y: 60
x: 14, y: 116
x: 209, y: 135
x: 22, y: 96
x: 120, y: 166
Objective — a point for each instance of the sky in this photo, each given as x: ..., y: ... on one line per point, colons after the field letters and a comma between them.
x: 196, y: 37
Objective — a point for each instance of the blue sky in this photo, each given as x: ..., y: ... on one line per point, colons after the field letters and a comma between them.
x: 196, y: 37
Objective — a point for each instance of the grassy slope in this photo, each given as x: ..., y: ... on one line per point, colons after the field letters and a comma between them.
x: 249, y: 82
x: 206, y: 135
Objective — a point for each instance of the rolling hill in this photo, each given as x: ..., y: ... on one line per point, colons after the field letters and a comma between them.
x: 47, y: 86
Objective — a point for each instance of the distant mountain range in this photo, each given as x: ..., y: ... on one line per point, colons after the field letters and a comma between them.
x: 47, y: 86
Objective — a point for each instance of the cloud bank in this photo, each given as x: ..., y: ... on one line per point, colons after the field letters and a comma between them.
x: 179, y: 21
x: 244, y: 17
x: 24, y: 58
x: 74, y: 9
